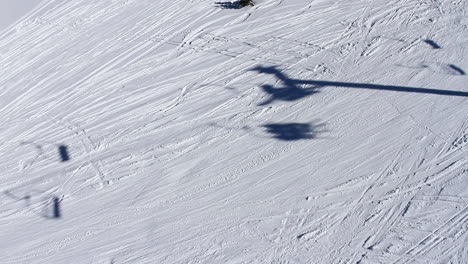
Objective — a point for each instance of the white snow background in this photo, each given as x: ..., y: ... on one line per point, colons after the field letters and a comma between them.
x: 190, y: 131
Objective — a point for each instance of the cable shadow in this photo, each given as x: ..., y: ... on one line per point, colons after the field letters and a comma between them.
x: 294, y: 131
x: 457, y: 69
x: 292, y: 90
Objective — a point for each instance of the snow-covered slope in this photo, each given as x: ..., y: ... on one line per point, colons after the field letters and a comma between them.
x: 189, y: 131
x: 10, y: 11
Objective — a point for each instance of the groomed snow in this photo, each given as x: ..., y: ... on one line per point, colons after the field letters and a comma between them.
x: 11, y: 11
x: 190, y: 131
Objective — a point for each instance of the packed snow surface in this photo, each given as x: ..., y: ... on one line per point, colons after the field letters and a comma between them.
x: 196, y: 131
x: 11, y: 10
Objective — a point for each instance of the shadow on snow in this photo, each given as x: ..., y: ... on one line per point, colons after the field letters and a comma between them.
x: 234, y: 5
x: 292, y: 89
x: 293, y: 131
x: 51, y: 208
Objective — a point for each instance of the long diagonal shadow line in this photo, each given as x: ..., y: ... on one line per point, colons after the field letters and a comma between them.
x: 386, y: 88
x: 293, y: 83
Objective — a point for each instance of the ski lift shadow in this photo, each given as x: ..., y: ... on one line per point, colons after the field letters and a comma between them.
x: 51, y: 204
x: 296, y: 89
x: 234, y: 5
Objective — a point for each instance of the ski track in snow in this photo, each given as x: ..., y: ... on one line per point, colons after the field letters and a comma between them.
x: 175, y: 159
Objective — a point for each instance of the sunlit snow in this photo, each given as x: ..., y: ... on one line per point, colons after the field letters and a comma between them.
x: 195, y: 131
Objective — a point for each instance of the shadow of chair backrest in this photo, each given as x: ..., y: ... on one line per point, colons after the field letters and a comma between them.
x: 292, y: 90
x: 52, y: 209
x: 56, y: 208
x: 63, y: 151
x: 432, y: 43
x: 293, y: 131
x: 234, y: 5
